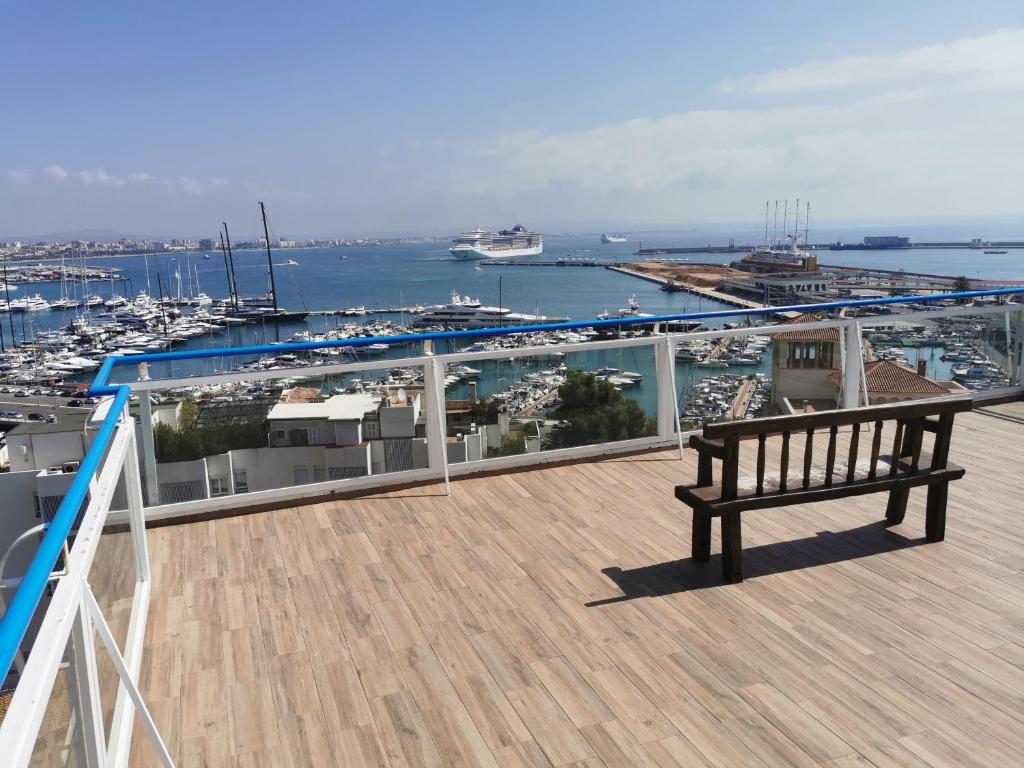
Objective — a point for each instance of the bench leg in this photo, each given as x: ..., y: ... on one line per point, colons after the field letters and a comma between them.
x: 732, y: 548
x: 935, y: 512
x: 700, y: 543
x: 897, y: 507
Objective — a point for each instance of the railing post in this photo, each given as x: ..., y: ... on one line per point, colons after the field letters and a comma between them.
x: 436, y: 419
x: 668, y: 402
x: 87, y: 686
x: 853, y: 359
x: 148, y: 443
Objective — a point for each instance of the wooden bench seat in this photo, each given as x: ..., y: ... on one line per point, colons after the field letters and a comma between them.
x: 732, y: 495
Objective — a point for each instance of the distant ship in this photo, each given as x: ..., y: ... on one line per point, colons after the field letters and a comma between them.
x: 610, y: 238
x: 508, y: 243
x: 464, y: 312
x: 996, y: 251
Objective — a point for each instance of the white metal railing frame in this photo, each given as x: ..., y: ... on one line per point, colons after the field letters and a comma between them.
x: 663, y: 345
x: 73, y: 615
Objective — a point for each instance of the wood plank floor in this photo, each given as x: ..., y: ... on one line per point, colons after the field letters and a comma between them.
x: 552, y: 617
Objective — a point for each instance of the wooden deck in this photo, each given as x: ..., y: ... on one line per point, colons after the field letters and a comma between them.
x: 552, y: 617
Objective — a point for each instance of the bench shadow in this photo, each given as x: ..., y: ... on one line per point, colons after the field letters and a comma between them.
x: 823, y: 548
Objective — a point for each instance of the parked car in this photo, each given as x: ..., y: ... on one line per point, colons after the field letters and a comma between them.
x: 74, y: 403
x: 21, y: 393
x: 36, y: 416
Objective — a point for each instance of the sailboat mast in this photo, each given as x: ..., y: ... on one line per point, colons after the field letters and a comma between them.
x: 227, y: 272
x: 231, y: 261
x: 807, y: 226
x: 765, y: 223
x: 270, y: 260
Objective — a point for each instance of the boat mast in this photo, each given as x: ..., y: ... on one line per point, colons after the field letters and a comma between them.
x: 775, y: 226
x: 10, y: 315
x: 231, y: 261
x: 270, y: 260
x: 807, y: 226
x: 765, y: 223
x: 227, y: 272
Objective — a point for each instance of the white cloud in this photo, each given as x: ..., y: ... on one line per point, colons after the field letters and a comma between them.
x: 55, y: 173
x: 992, y: 61
x: 912, y: 152
x: 138, y: 177
x: 100, y: 177
x: 191, y: 185
x: 19, y: 175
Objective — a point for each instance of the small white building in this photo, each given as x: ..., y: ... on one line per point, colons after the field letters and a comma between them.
x: 337, y: 420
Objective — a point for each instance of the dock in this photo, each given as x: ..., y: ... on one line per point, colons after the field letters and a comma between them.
x: 707, y: 293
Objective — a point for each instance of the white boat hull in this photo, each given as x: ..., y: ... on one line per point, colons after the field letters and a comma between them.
x: 466, y: 253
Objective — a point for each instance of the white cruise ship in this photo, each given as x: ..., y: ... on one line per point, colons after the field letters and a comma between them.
x: 508, y: 243
x: 464, y: 312
x: 608, y: 237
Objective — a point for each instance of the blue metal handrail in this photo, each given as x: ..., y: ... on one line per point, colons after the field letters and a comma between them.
x: 101, y: 387
x: 15, y: 621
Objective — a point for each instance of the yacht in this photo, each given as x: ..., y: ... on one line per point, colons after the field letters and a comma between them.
x: 631, y: 310
x: 29, y: 304
x: 483, y: 244
x: 610, y: 238
x: 464, y: 312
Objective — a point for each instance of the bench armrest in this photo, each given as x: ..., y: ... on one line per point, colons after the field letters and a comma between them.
x: 704, y: 446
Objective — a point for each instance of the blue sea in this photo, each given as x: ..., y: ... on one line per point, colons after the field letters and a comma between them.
x: 403, y: 275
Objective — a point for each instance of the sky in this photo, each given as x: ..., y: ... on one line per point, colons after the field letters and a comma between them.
x: 400, y: 117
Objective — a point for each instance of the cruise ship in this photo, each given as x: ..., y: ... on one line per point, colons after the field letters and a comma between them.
x: 607, y: 237
x: 464, y: 312
x: 508, y: 243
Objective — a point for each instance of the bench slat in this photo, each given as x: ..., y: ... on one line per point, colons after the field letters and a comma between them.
x: 851, y: 459
x: 760, y: 464
x: 830, y: 456
x: 897, y: 447
x: 876, y: 447
x: 708, y: 500
x: 808, y: 456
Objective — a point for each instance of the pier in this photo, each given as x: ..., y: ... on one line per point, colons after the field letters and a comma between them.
x: 707, y: 293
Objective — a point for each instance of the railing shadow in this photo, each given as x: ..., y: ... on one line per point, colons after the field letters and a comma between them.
x: 823, y: 548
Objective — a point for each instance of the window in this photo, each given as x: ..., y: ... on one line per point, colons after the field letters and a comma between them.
x: 298, y: 437
x: 810, y: 355
x: 825, y: 359
x: 219, y: 486
x: 279, y: 436
x: 371, y: 429
x: 241, y: 481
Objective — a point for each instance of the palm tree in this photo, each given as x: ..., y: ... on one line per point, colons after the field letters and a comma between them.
x: 961, y: 285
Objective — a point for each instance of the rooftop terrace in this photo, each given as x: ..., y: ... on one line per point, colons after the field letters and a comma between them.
x: 552, y: 616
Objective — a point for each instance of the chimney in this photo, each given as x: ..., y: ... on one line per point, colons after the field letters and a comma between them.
x: 922, y: 367
x: 472, y: 392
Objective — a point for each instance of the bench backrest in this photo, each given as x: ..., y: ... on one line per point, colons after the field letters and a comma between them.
x: 912, y: 419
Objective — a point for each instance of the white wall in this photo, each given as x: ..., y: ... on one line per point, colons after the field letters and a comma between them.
x: 45, y: 449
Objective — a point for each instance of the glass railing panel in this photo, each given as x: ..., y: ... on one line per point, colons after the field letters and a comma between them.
x: 112, y: 580
x: 550, y: 400
x: 228, y: 438
x: 61, y: 737
x: 730, y: 377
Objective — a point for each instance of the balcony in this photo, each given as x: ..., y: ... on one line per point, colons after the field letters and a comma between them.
x: 538, y: 608
x: 551, y: 616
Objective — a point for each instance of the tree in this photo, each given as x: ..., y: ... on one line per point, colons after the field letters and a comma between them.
x: 593, y: 411
x: 961, y: 285
x: 512, y: 444
x: 192, y: 442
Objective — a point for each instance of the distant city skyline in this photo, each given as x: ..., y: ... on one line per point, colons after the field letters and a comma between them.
x: 572, y: 116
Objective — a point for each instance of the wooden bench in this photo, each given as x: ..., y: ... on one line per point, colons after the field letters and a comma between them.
x: 730, y: 496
